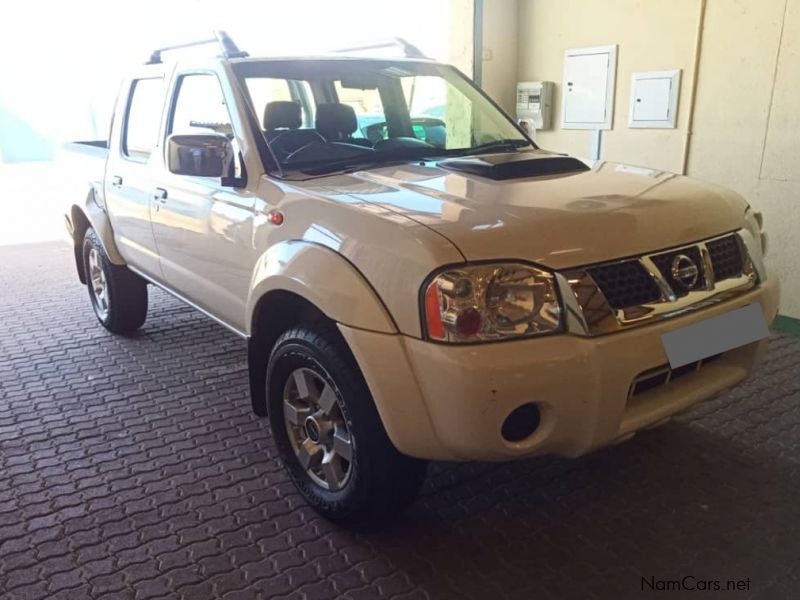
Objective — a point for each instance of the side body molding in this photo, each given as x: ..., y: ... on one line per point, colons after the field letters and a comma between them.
x: 324, y: 278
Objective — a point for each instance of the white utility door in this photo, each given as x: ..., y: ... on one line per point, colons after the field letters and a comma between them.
x: 588, y: 88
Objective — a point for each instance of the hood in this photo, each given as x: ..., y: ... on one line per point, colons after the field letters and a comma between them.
x: 562, y: 220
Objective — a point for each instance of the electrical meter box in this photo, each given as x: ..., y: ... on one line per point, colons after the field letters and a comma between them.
x: 534, y: 105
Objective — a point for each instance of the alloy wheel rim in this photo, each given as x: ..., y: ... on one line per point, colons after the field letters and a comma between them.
x: 317, y: 430
x: 99, y: 285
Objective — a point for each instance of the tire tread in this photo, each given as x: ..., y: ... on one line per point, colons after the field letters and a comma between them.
x: 387, y: 480
x: 127, y: 291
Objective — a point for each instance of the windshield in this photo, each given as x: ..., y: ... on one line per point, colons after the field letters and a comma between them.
x: 322, y: 116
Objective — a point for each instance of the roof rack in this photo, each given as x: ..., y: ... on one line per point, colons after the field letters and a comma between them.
x: 226, y: 44
x: 409, y: 50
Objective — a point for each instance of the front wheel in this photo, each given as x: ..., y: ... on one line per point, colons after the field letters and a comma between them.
x: 118, y: 295
x: 328, y: 432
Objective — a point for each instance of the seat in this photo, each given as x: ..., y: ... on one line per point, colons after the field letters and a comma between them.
x: 336, y: 122
x: 282, y: 121
x: 280, y: 116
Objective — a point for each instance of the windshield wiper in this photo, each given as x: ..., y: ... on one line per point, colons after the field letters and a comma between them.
x: 344, y: 164
x: 402, y: 155
x: 507, y: 145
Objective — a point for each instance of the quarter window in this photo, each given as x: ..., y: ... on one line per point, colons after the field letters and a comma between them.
x: 144, y: 118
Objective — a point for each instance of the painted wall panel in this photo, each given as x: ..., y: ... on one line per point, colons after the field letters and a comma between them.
x: 781, y: 160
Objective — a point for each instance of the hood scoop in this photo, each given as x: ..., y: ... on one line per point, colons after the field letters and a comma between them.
x: 515, y: 165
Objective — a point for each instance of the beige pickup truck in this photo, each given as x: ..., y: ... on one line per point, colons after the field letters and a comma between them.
x: 415, y: 279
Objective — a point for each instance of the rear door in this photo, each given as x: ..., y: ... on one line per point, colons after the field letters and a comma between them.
x: 203, y: 229
x: 133, y: 151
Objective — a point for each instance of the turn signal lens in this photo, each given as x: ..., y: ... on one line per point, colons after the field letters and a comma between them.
x: 754, y: 223
x: 491, y: 302
x: 275, y: 217
x: 433, y: 301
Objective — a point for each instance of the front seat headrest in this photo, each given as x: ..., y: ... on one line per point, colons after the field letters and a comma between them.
x: 335, y: 121
x: 282, y: 114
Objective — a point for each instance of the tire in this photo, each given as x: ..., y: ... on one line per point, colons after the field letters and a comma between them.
x: 118, y: 296
x: 313, y: 382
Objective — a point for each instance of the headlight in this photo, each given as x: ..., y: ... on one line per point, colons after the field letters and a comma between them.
x: 754, y: 223
x: 481, y: 303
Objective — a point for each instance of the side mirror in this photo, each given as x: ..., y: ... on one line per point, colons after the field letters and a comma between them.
x: 200, y: 155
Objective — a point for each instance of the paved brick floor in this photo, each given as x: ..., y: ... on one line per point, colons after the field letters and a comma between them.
x: 133, y: 468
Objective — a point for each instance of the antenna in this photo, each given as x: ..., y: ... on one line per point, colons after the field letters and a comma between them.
x: 226, y: 44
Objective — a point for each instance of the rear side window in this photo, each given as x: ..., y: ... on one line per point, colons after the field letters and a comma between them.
x: 144, y: 118
x: 200, y: 107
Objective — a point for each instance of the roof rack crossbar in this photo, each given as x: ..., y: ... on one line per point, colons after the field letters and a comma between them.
x: 410, y: 50
x: 226, y: 44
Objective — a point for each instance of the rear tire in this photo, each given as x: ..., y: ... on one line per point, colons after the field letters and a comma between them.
x: 328, y: 432
x: 118, y: 296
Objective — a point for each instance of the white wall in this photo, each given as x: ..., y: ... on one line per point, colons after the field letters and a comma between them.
x: 747, y: 120
x: 499, y: 60
x: 745, y: 131
x: 652, y: 36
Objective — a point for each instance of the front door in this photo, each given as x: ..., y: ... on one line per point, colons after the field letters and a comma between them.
x: 204, y: 230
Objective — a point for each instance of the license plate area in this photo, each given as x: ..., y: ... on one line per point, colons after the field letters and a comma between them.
x: 716, y: 335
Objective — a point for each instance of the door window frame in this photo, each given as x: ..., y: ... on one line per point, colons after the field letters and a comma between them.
x: 175, y: 90
x: 169, y: 117
x: 123, y: 139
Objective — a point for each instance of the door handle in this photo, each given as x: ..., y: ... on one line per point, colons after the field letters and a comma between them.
x: 160, y: 195
x: 116, y: 181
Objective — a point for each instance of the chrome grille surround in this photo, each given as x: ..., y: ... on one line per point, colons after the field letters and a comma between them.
x: 589, y: 313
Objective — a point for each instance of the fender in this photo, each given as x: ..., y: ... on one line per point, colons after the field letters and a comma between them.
x: 93, y: 215
x: 324, y: 278
x: 315, y: 279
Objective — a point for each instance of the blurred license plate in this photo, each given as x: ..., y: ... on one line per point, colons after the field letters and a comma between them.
x: 717, y: 334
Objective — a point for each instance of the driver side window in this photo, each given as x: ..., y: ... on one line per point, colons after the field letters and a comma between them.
x: 199, y: 107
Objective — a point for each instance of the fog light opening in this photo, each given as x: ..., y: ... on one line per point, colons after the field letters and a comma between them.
x: 521, y: 423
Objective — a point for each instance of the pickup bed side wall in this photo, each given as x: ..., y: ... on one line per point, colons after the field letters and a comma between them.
x: 86, y: 164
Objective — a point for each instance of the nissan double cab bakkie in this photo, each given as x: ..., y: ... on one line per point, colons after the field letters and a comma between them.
x: 415, y: 279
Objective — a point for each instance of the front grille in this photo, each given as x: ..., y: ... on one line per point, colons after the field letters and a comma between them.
x: 628, y: 283
x: 726, y: 257
x: 634, y: 291
x: 664, y: 264
x: 625, y: 284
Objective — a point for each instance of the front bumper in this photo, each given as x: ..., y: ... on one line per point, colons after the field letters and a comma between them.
x: 449, y: 402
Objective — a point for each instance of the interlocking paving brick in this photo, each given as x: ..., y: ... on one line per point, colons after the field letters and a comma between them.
x: 132, y: 467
